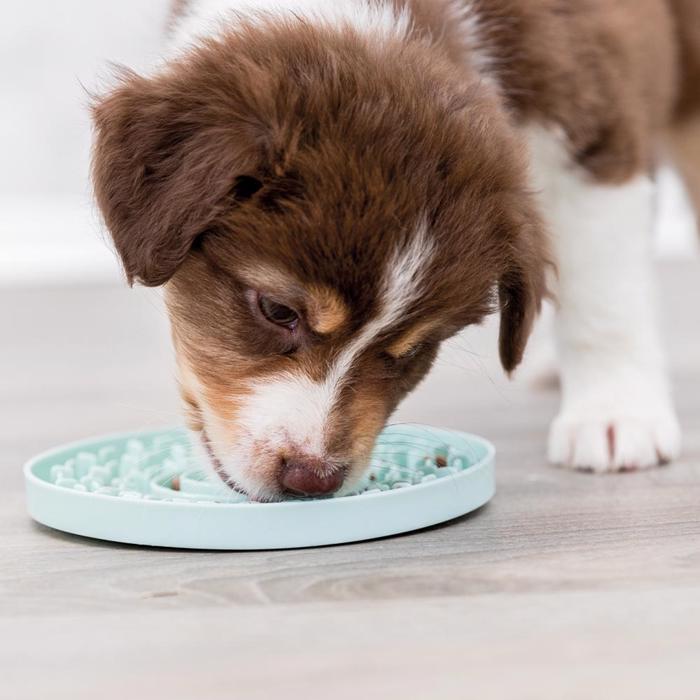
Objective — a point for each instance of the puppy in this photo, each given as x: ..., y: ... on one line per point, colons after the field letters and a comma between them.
x: 330, y: 189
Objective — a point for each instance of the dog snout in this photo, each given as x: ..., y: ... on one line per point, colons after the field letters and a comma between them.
x: 306, y: 476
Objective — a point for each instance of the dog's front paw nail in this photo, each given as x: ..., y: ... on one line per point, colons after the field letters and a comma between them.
x: 615, y: 443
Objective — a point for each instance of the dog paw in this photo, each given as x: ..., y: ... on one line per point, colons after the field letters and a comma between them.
x: 616, y: 441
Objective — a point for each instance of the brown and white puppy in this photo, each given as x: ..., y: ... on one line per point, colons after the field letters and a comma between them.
x: 328, y: 190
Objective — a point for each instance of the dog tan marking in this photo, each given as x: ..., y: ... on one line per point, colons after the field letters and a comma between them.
x: 218, y: 389
x: 187, y: 385
x: 411, y: 339
x: 193, y: 414
x: 368, y: 414
x: 269, y: 279
x: 206, y: 385
x: 327, y: 311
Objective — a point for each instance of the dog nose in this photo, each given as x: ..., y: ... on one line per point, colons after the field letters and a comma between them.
x: 311, y: 477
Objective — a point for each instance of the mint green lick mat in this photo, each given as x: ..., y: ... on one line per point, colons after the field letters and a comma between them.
x: 142, y: 488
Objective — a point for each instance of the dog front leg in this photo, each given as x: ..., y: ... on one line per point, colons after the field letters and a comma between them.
x: 617, y: 411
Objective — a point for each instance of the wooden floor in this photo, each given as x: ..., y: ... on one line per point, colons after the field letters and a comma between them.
x: 568, y: 586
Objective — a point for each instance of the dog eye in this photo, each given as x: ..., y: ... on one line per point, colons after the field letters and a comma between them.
x: 279, y: 314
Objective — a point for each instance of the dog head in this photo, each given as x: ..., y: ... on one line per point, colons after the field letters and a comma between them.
x: 324, y: 211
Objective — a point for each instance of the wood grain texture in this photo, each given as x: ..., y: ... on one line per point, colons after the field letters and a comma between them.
x: 565, y: 586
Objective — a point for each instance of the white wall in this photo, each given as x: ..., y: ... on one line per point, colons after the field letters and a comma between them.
x: 51, y: 51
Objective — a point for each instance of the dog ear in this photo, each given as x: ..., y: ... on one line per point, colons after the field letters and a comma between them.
x: 521, y: 289
x: 165, y: 165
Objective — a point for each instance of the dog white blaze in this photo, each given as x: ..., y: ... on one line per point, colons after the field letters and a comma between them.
x: 476, y: 29
x: 294, y: 409
x: 205, y: 17
x: 617, y: 410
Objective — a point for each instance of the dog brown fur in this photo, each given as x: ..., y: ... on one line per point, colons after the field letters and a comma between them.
x: 338, y: 184
x: 605, y: 72
x: 318, y: 152
x: 685, y: 132
x: 611, y: 75
x: 687, y: 17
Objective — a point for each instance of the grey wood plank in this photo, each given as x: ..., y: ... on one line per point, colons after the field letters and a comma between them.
x: 565, y: 586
